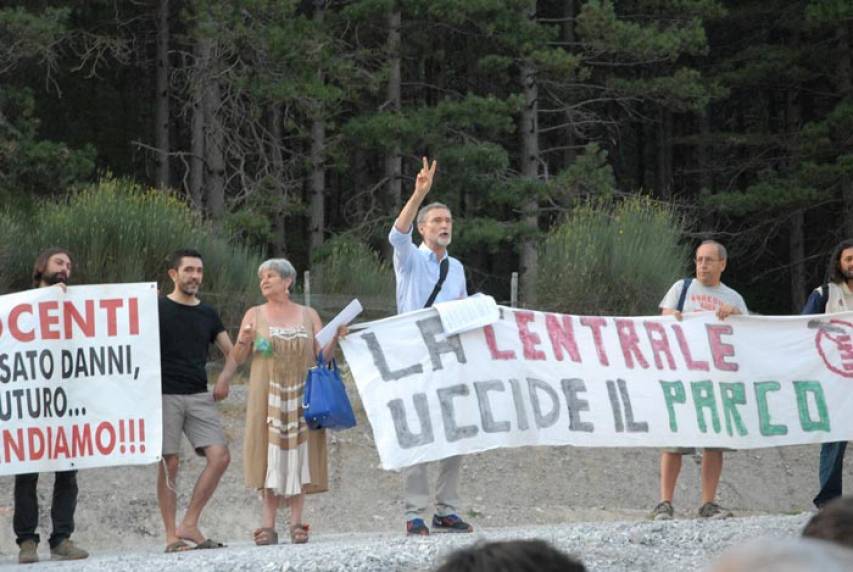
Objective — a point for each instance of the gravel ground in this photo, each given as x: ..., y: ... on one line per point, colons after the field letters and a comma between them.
x: 620, y: 546
x: 589, y: 502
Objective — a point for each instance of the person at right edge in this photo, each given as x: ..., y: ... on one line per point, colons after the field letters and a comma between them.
x: 704, y: 293
x: 427, y: 274
x: 830, y: 298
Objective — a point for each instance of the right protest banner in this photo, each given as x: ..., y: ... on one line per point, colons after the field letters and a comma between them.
x: 536, y: 378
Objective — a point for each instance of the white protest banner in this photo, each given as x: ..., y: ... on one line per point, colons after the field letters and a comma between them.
x: 535, y: 378
x: 79, y: 378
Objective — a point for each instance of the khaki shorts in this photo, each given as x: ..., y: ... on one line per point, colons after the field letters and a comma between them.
x: 195, y: 415
x: 692, y: 450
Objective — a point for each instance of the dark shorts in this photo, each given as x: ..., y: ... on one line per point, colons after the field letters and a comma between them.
x: 196, y: 416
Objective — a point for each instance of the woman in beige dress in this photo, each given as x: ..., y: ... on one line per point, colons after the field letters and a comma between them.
x: 282, y: 459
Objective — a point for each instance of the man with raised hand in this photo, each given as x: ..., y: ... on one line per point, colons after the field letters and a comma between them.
x: 52, y: 268
x: 187, y: 328
x: 704, y: 293
x: 427, y: 274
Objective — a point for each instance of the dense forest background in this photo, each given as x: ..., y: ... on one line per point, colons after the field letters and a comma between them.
x: 290, y: 126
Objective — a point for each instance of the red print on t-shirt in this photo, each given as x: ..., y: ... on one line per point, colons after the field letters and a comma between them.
x: 706, y: 301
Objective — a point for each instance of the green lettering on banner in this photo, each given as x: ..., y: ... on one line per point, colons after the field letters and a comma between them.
x: 673, y: 392
x: 803, y: 388
x: 732, y: 395
x: 762, y: 388
x: 703, y: 398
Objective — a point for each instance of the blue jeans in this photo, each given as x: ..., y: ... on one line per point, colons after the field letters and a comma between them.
x: 831, y: 465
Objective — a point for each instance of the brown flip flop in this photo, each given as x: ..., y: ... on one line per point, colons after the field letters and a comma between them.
x: 209, y: 543
x: 178, y: 546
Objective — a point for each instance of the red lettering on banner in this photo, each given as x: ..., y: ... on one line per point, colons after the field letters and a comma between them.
x: 81, y: 441
x: 660, y: 343
x: 629, y: 342
x: 562, y: 337
x: 133, y: 315
x: 86, y: 324
x: 105, y: 429
x: 11, y: 446
x: 595, y: 324
x: 720, y: 350
x: 60, y: 446
x: 16, y: 331
x: 697, y: 365
x: 492, y: 342
x: 36, y: 451
x: 47, y: 320
x: 529, y: 340
x: 111, y: 306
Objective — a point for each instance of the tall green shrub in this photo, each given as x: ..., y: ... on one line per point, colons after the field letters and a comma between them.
x: 347, y: 268
x: 119, y: 232
x: 612, y: 258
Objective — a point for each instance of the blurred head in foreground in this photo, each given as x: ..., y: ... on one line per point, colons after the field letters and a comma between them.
x: 786, y: 555
x: 834, y: 522
x: 510, y: 556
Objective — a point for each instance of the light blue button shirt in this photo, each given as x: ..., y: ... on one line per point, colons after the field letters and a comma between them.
x: 417, y: 269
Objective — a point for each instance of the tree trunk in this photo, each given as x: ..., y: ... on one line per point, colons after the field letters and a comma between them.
x: 214, y: 137
x: 162, y: 112
x: 197, y: 127
x: 279, y: 242
x: 703, y: 151
x: 796, y: 240
x: 529, y: 129
x: 393, y: 156
x: 318, y: 187
x: 569, y: 36
x: 796, y: 243
x: 664, y: 154
x: 843, y: 73
x: 318, y: 164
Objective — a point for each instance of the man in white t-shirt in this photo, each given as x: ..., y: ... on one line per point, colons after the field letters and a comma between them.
x: 704, y: 293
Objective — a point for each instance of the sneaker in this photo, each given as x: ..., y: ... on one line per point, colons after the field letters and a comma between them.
x: 29, y: 552
x: 416, y: 527
x: 663, y: 511
x: 714, y: 511
x: 450, y: 523
x: 66, y: 550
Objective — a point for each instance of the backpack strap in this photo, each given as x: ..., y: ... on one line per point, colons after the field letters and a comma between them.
x: 685, y: 284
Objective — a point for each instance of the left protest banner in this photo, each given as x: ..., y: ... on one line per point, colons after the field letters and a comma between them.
x: 79, y: 378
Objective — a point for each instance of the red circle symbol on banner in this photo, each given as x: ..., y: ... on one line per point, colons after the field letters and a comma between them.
x: 834, y: 341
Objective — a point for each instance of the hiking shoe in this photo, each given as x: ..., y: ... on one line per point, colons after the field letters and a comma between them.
x: 416, y: 527
x: 66, y: 550
x: 714, y: 511
x: 663, y: 511
x: 450, y: 523
x: 29, y: 552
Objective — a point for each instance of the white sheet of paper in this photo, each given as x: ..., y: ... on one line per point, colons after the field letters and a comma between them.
x: 467, y: 314
x: 345, y: 316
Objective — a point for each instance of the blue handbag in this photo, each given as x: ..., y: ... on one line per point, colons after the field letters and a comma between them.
x: 325, y: 403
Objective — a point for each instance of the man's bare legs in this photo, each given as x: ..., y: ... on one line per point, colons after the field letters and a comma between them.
x: 712, y: 468
x: 167, y: 474
x: 670, y: 467
x: 218, y: 459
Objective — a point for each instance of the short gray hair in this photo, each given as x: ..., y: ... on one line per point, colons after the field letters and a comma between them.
x: 281, y: 266
x: 422, y: 214
x: 721, y: 250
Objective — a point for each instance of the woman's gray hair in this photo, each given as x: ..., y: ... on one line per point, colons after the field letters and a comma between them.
x: 281, y: 266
